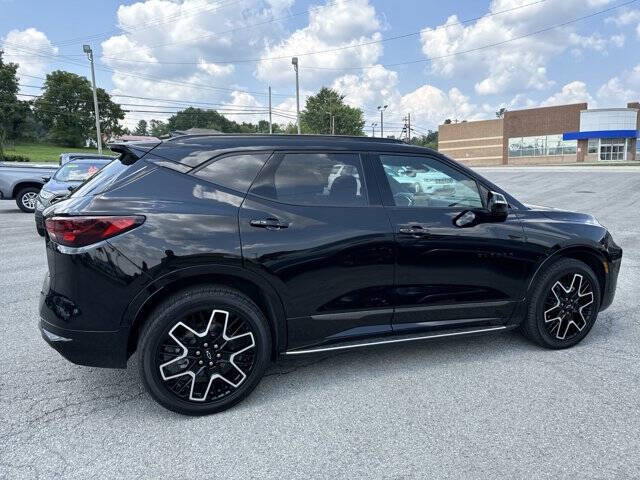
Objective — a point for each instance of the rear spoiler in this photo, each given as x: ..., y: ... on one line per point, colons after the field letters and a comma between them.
x: 130, y: 152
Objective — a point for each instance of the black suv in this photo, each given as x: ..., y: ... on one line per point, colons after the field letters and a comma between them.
x: 212, y: 255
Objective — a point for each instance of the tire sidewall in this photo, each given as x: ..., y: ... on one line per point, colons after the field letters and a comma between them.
x: 558, y: 271
x: 168, y: 318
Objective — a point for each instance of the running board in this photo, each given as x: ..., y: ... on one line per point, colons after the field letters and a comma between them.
x: 406, y: 338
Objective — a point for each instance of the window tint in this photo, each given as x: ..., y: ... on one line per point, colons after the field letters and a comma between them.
x: 425, y: 182
x: 316, y: 179
x: 236, y: 171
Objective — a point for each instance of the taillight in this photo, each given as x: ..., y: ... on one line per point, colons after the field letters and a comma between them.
x: 81, y: 231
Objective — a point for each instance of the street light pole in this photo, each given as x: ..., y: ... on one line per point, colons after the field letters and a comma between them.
x: 294, y: 61
x: 382, y: 108
x: 373, y: 128
x: 89, y: 52
x: 270, y: 124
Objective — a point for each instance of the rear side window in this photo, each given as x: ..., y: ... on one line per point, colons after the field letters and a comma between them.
x: 334, y: 179
x: 234, y: 171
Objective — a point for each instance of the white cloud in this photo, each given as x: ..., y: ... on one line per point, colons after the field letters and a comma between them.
x: 335, y: 25
x: 519, y: 64
x: 617, y: 40
x: 574, y: 92
x: 625, y: 17
x: 216, y: 70
x: 430, y: 106
x: 620, y: 89
x: 240, y: 101
x: 31, y: 49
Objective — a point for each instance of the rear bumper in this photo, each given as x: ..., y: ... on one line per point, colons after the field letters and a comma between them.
x: 92, y: 349
x: 39, y: 218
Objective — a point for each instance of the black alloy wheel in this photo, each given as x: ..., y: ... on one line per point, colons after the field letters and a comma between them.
x: 204, y: 350
x: 568, y: 306
x: 563, y: 305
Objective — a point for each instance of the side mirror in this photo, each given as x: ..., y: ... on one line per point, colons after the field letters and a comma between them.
x: 497, y: 205
x: 46, y: 179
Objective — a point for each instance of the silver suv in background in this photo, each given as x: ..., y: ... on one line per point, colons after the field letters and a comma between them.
x: 23, y: 181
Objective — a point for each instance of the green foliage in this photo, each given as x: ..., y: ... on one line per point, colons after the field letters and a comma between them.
x: 141, y: 128
x: 42, y: 152
x: 158, y: 128
x: 316, y: 117
x: 65, y: 109
x: 8, y: 100
x: 429, y: 140
x: 13, y: 158
x: 500, y: 113
x: 198, y: 118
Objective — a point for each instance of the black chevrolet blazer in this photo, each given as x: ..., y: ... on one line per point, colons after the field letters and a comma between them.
x: 210, y: 256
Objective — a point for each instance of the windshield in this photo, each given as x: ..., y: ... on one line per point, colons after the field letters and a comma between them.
x: 79, y: 170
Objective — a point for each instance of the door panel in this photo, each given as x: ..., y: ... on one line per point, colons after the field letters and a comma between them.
x: 448, y: 275
x: 332, y: 264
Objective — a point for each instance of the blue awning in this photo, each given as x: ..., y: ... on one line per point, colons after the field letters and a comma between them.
x: 601, y: 134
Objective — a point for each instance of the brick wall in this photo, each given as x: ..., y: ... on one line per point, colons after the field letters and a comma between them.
x: 472, y: 143
x: 542, y: 121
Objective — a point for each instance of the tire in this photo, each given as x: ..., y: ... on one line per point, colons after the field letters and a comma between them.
x: 26, y: 199
x: 563, y: 306
x: 211, y: 330
x: 40, y: 231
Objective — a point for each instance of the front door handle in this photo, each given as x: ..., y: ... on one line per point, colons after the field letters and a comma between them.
x: 268, y: 223
x: 413, y: 230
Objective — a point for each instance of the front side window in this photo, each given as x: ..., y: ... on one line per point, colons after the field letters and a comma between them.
x: 426, y: 182
x: 333, y: 179
x: 236, y: 172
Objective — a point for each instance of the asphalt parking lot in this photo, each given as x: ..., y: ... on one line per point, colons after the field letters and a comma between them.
x: 490, y: 406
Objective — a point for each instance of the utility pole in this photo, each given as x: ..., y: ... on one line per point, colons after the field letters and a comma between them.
x: 270, y: 124
x: 382, y: 108
x: 373, y: 128
x: 89, y: 52
x: 409, y: 126
x: 294, y: 61
x: 333, y: 124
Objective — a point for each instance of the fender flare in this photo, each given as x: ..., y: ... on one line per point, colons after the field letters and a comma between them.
x: 276, y: 313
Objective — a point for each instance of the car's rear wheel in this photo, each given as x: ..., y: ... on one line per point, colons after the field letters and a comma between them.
x: 203, y: 350
x: 26, y: 199
x: 564, y: 305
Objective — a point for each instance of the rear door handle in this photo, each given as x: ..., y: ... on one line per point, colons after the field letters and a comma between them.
x: 269, y: 223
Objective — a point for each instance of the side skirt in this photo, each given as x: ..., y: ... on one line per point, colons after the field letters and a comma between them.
x: 396, y: 339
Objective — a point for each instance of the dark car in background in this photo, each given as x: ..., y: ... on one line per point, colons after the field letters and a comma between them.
x: 211, y: 256
x: 63, y: 181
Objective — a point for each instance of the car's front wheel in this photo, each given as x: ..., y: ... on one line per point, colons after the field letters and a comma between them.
x: 26, y: 199
x: 563, y: 306
x: 203, y: 350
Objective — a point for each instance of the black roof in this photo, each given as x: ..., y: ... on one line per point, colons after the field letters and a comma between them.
x: 236, y: 141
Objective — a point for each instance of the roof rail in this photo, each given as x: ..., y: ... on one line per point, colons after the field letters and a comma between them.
x: 287, y: 135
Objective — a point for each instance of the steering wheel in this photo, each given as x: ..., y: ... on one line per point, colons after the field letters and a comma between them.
x: 403, y: 199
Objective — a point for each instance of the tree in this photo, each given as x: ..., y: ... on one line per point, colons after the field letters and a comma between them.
x: 447, y: 121
x: 158, y: 128
x: 65, y: 109
x: 141, y: 128
x: 316, y: 117
x: 500, y: 113
x: 429, y: 140
x: 8, y: 100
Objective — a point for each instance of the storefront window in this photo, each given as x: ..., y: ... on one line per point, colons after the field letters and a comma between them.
x: 593, y: 145
x: 541, y: 146
x: 612, y: 149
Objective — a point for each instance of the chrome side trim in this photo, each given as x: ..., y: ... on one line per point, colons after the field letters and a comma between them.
x: 394, y: 340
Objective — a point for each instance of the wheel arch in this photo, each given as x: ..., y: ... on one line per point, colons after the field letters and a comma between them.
x: 258, y: 290
x: 588, y: 255
x: 19, y: 186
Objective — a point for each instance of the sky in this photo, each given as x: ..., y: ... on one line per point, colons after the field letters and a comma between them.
x: 460, y: 59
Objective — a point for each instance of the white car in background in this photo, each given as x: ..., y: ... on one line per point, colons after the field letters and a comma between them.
x: 425, y: 181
